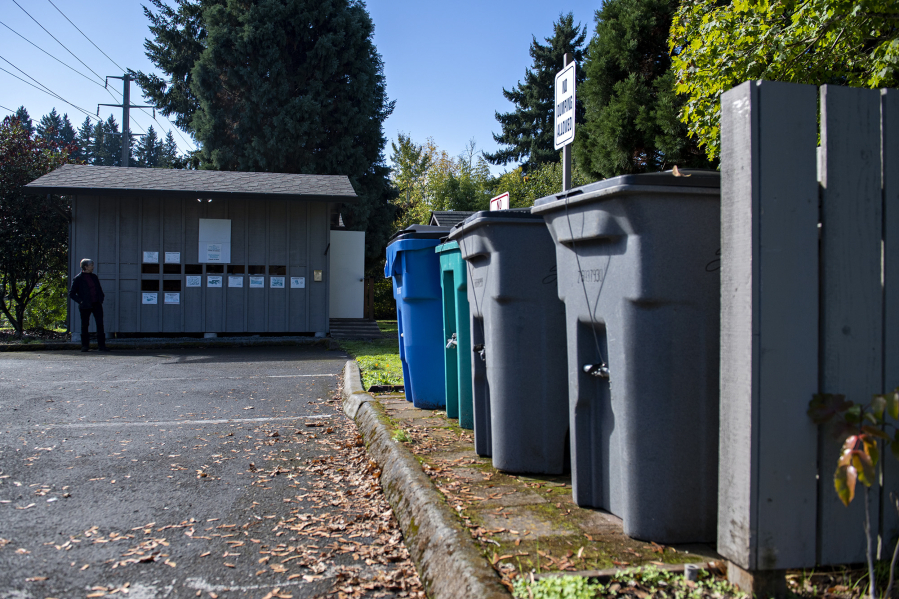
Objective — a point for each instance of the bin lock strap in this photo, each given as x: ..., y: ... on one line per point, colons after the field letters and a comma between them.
x: 597, y: 370
x: 451, y: 343
x: 481, y: 351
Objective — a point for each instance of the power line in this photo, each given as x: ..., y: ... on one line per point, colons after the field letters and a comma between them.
x: 57, y: 41
x: 48, y: 54
x: 49, y: 93
x: 83, y: 63
x: 85, y: 36
x: 5, y: 108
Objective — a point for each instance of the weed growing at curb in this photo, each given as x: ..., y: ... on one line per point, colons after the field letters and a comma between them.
x: 648, y: 581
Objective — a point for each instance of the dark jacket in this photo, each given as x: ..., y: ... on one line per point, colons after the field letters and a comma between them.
x: 81, y: 291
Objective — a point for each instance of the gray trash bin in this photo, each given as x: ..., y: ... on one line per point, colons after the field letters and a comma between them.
x: 520, y: 385
x: 638, y: 272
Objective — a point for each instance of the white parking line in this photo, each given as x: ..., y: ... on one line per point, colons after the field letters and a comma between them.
x: 178, y: 422
x: 183, y: 378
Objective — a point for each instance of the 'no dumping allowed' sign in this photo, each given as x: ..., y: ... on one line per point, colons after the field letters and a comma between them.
x: 564, y: 129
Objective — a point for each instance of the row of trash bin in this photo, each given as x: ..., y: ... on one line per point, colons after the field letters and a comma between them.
x: 582, y: 331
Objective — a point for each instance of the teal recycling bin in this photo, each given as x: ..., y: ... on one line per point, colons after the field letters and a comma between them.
x: 457, y: 333
x: 415, y: 269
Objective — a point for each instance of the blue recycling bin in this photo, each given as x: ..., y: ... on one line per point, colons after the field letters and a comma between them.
x: 415, y: 269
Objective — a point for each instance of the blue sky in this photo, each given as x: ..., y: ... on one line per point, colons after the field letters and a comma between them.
x: 445, y: 63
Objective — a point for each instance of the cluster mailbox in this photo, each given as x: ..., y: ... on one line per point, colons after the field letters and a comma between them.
x: 203, y: 251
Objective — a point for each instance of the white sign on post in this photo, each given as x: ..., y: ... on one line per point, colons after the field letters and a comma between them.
x: 500, y: 202
x: 564, y: 121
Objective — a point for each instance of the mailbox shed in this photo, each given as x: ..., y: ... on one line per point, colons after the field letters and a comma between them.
x: 181, y: 251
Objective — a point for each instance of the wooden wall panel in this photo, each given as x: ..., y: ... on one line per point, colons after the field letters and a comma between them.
x: 319, y: 234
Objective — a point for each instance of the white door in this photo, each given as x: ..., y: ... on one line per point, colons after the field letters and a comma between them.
x: 347, y: 255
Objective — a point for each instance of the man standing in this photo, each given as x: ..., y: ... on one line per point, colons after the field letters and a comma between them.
x: 88, y: 294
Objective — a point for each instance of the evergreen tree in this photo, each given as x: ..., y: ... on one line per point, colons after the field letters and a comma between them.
x: 24, y: 119
x: 168, y: 154
x: 631, y: 124
x: 84, y: 142
x: 149, y: 149
x: 528, y: 130
x: 49, y: 126
x: 107, y: 146
x: 292, y: 86
x: 53, y: 127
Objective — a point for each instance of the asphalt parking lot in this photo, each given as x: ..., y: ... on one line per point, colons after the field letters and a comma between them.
x: 188, y: 472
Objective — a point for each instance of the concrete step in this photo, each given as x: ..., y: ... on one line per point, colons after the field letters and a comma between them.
x: 355, y: 328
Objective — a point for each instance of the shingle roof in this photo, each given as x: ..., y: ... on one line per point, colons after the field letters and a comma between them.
x: 72, y: 179
x: 448, y: 218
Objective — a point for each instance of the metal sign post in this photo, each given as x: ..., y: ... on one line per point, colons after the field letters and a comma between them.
x: 564, y: 116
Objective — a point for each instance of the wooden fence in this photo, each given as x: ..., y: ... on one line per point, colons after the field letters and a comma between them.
x: 810, y: 303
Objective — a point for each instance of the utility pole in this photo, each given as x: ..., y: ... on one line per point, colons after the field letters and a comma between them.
x: 126, y: 107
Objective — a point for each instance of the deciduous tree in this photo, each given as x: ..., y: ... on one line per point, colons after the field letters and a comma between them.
x: 33, y: 229
x: 717, y: 45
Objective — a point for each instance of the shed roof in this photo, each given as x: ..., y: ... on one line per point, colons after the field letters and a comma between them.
x: 73, y: 179
x: 448, y: 218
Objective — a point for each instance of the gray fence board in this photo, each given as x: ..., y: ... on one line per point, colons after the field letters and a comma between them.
x: 851, y: 310
x: 890, y: 148
x: 769, y: 279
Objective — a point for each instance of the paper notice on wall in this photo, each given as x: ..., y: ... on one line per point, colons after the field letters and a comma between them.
x: 297, y: 282
x: 276, y: 282
x: 173, y: 298
x: 173, y: 257
x: 257, y: 282
x: 235, y: 281
x: 151, y: 257
x: 215, y: 240
x: 213, y: 281
x: 214, y: 252
x: 194, y: 281
x: 149, y: 298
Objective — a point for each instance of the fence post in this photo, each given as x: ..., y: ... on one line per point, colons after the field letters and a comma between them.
x: 769, y: 332
x: 851, y: 346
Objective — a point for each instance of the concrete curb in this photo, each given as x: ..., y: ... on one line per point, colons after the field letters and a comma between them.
x: 448, y: 561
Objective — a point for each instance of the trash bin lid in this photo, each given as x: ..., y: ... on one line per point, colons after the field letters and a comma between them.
x: 415, y: 237
x: 420, y: 232
x: 514, y: 216
x: 446, y: 246
x: 649, y: 182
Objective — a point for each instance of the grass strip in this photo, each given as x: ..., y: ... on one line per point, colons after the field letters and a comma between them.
x: 378, y: 359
